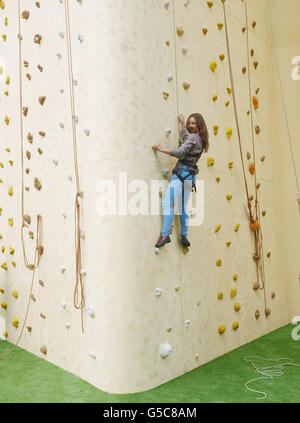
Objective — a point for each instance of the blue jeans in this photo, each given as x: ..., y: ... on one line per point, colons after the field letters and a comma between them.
x: 182, y: 191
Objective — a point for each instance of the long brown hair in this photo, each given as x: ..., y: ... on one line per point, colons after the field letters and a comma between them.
x: 203, y: 132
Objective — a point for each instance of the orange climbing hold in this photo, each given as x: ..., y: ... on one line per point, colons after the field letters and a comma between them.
x: 254, y: 226
x: 255, y: 102
x: 252, y: 168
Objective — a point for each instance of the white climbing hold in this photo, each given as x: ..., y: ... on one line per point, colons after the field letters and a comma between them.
x: 67, y: 325
x: 62, y: 269
x: 80, y: 194
x: 91, y: 310
x: 184, y: 49
x: 75, y: 82
x: 61, y: 90
x: 87, y: 132
x: 79, y: 1
x: 64, y: 215
x: 168, y: 132
x: 156, y: 250
x: 55, y: 161
x: 165, y: 172
x: 62, y: 125
x: 92, y: 354
x: 59, y: 55
x: 82, y: 234
x: 80, y: 37
x: 69, y: 176
x: 167, y: 4
x: 158, y: 292
x: 187, y: 323
x: 165, y: 350
x: 63, y: 304
x: 186, y: 3
x: 62, y: 35
x: 170, y: 77
x: 83, y: 272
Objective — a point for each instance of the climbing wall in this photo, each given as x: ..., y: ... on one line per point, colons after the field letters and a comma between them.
x: 148, y: 317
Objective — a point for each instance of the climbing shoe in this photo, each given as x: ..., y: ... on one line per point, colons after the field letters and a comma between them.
x: 185, y: 242
x: 163, y: 239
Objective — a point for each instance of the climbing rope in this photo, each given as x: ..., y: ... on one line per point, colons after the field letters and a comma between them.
x: 38, y: 248
x: 258, y: 238
x: 282, y: 97
x: 267, y: 372
x: 176, y: 70
x: 79, y: 299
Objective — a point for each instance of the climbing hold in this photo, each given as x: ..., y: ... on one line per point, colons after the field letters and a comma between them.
x: 255, y: 102
x: 258, y: 185
x: 15, y: 293
x: 42, y: 100
x: 91, y: 310
x: 228, y: 196
x: 253, y: 24
x: 228, y: 244
x: 215, y: 97
x: 55, y: 161
x: 177, y: 288
x: 165, y: 95
x: 4, y: 305
x: 236, y: 228
x: 221, y: 329
x: 29, y: 328
x: 213, y: 66
x: 7, y: 81
x: 41, y: 282
x: 220, y: 26
x: 168, y: 42
x: 10, y: 191
x: 252, y: 52
x: 167, y: 4
x: 37, y: 38
x: 167, y: 133
x: 15, y: 322
x: 25, y: 14
x: 229, y: 133
x: 10, y: 221
x: 37, y: 184
x: 219, y: 262
x: 5, y: 333
x: 257, y: 314
x: 2, y: 248
x: 25, y: 110
x: 210, y: 4
x: 229, y: 90
x: 43, y: 315
x: 62, y: 269
x: 244, y: 69
x: 165, y: 172
x: 235, y: 325
x: 269, y: 254
x: 216, y: 129
x: 220, y: 295
x: 4, y: 265
x: 204, y: 30
x: 179, y: 31
x: 210, y: 161
x: 218, y: 228
x: 218, y: 179
x: 235, y: 277
x: 248, y: 155
x: 273, y: 295
x: 32, y: 296
x: 257, y: 129
x: 2, y: 290
x: 262, y: 158
x: 251, y: 168
x: 227, y: 103
x: 83, y: 272
x: 43, y: 349
x: 237, y: 306
x: 254, y: 226
x: 63, y: 304
x: 255, y: 286
x: 170, y: 77
x: 186, y: 85
x: 164, y: 350
x: 230, y: 165
x: 6, y: 120
x: 233, y: 292
x: 67, y: 325
x: 184, y: 49
x: 267, y: 312
x: 187, y: 323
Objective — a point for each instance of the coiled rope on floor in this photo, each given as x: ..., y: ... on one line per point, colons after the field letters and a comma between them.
x: 258, y: 238
x: 79, y: 298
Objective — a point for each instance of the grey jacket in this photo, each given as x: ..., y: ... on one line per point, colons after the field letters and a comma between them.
x: 190, y: 150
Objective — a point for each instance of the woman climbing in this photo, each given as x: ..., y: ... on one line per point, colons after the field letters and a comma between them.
x: 195, y: 141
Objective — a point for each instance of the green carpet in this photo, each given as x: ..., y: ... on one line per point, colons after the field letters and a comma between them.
x: 27, y: 378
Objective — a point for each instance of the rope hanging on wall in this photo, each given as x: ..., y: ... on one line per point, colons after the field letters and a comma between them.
x: 254, y: 216
x: 39, y: 248
x: 79, y: 299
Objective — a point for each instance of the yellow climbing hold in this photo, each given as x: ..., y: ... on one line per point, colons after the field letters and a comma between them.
x: 218, y: 228
x: 228, y: 244
x: 5, y: 333
x: 230, y: 165
x: 3, y: 248
x: 215, y: 97
x: 235, y: 277
x: 4, y: 36
x: 220, y: 296
x: 229, y: 133
x: 221, y: 329
x: 11, y: 250
x: 222, y: 57
x: 237, y: 306
x: 179, y: 31
x: 204, y: 30
x: 213, y: 66
x: 7, y: 81
x: 13, y: 263
x: 210, y: 4
x: 10, y: 221
x: 218, y: 179
x: 229, y: 90
x: 7, y: 149
x: 11, y: 162
x: 2, y: 165
x: 220, y: 26
x: 233, y: 292
x: 2, y: 4
x: 227, y: 103
x: 6, y: 120
x: 228, y: 196
x: 236, y: 228
x: 235, y: 325
x: 15, y: 322
x: 210, y: 161
x: 4, y: 305
x: 6, y: 21
x: 43, y: 349
x: 2, y: 290
x: 4, y: 265
x: 216, y: 129
x: 15, y: 293
x: 219, y: 262
x: 10, y: 191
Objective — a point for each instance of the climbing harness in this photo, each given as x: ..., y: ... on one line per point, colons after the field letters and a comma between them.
x: 39, y: 249
x: 79, y: 299
x: 195, y: 171
x: 258, y: 256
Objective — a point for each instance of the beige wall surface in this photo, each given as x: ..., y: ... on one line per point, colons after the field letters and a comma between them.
x: 121, y: 66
